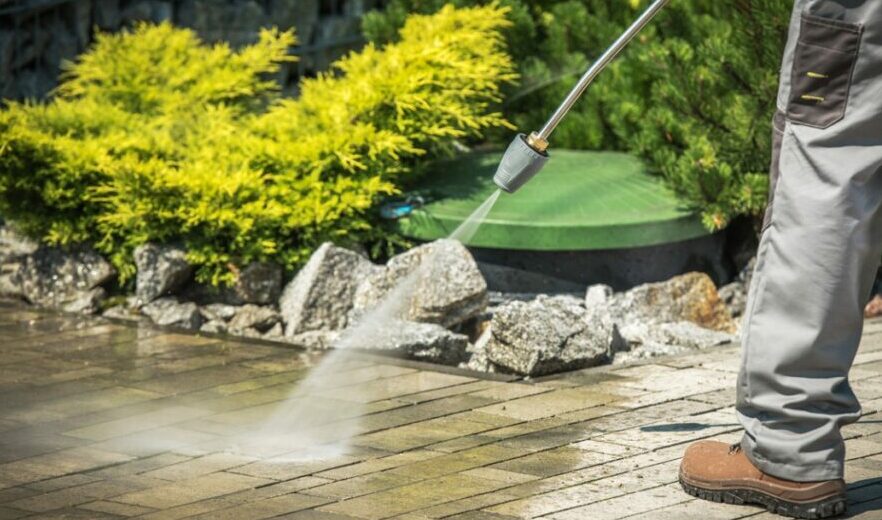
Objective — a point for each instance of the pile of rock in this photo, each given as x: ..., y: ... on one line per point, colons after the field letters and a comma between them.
x: 412, y: 305
x: 553, y: 334
x: 71, y: 280
x: 734, y: 294
x: 430, y: 303
x: 166, y: 294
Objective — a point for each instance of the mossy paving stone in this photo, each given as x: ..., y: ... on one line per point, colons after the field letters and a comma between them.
x: 361, y: 485
x: 500, y: 458
x: 312, y: 514
x: 12, y: 333
x: 421, y: 434
x: 378, y: 464
x: 33, y: 443
x: 12, y: 494
x: 536, y: 435
x: 12, y: 314
x: 480, y: 515
x: 115, y: 508
x: 59, y: 463
x: 398, y: 386
x: 462, y: 443
x: 414, y: 496
x: 265, y: 508
x: 470, y: 506
x: 191, y: 490
x: 95, y: 336
x: 73, y: 496
x: 550, y: 403
x: 459, y: 461
x: 141, y: 465
x: 554, y: 461
x: 408, y: 414
x: 551, y: 437
x: 73, y: 513
x: 473, y: 388
x: 81, y: 404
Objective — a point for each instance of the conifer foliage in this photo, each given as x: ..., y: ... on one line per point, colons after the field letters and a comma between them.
x: 694, y: 94
x: 155, y: 136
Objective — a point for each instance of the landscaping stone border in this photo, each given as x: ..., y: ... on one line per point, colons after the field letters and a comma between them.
x: 429, y: 304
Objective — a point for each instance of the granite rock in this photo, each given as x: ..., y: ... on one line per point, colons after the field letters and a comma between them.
x: 734, y: 294
x: 254, y: 317
x: 259, y: 283
x: 321, y: 296
x: 689, y: 297
x: 172, y: 313
x: 218, y: 312
x: 314, y: 339
x: 55, y: 277
x: 123, y: 312
x: 478, y: 360
x: 549, y: 335
x: 86, y: 302
x: 437, y: 283
x: 214, y: 327
x: 648, y: 340
x: 683, y: 334
x: 873, y: 309
x: 598, y: 295
x: 14, y: 246
x: 411, y: 340
x: 161, y: 270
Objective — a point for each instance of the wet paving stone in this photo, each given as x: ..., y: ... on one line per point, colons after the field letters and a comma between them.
x: 102, y: 419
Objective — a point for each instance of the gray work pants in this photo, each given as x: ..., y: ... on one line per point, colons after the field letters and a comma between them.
x: 820, y: 246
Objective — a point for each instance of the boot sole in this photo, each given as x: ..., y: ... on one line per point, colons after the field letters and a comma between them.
x: 825, y: 508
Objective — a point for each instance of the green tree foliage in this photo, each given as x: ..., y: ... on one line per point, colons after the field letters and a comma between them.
x: 154, y: 136
x: 694, y: 93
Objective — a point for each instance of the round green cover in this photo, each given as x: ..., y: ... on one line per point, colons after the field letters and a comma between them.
x: 580, y: 201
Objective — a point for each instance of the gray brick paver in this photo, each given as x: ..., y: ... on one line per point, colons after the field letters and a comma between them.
x: 103, y: 420
x: 8, y: 513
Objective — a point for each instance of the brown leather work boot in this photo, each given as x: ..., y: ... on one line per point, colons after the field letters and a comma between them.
x: 716, y: 471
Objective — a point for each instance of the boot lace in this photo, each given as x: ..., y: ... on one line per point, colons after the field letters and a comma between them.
x: 734, y: 448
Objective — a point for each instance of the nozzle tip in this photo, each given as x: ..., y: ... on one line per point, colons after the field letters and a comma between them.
x: 518, y: 165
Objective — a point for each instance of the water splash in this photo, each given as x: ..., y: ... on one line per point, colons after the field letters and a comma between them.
x: 373, y: 326
x: 320, y: 418
x: 321, y: 415
x: 470, y: 226
x: 313, y: 423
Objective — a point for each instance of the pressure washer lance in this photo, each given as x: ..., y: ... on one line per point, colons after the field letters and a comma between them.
x: 526, y: 155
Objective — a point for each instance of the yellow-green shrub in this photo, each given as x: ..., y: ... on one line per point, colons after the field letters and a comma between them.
x: 154, y: 136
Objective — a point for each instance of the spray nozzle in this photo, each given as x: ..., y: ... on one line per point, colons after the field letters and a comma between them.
x: 523, y: 159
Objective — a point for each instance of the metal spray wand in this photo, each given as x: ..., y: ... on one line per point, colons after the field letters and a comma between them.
x: 526, y: 155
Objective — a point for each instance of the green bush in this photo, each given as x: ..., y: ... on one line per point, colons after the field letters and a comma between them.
x: 154, y: 136
x: 694, y: 94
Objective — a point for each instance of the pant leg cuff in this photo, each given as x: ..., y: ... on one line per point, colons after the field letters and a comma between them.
x: 794, y: 472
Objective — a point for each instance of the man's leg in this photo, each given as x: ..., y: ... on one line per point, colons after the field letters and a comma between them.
x: 821, y: 244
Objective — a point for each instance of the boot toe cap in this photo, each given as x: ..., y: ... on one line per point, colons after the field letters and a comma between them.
x: 709, y: 460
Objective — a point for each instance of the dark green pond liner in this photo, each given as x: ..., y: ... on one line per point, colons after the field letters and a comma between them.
x: 581, y: 201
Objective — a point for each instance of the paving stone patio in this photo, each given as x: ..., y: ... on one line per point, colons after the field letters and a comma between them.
x: 109, y: 420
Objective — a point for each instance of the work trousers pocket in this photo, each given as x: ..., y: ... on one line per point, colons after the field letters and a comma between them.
x: 823, y: 63
x: 778, y: 124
